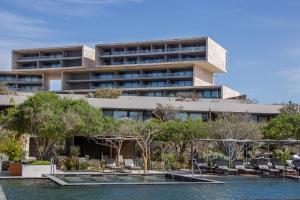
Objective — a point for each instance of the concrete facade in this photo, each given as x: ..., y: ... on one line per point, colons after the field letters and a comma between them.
x: 146, y: 68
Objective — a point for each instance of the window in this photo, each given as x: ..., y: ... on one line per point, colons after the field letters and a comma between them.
x: 107, y: 113
x: 119, y: 114
x: 136, y: 115
x: 181, y: 116
x: 55, y: 85
x: 195, y: 116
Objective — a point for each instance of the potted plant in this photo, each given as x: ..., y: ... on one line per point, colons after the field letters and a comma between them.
x: 15, y: 169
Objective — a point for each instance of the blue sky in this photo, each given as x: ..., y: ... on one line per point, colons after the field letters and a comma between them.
x: 262, y: 36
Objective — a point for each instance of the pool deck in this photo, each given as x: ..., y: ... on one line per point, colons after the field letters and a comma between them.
x: 2, y: 195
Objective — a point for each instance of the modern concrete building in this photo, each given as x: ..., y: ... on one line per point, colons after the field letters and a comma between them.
x: 148, y: 73
x: 149, y: 68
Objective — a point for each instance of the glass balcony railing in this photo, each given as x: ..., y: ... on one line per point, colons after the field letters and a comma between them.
x: 137, y: 76
x: 6, y: 79
x: 43, y: 57
x: 152, y: 61
x: 152, y: 85
x: 159, y: 50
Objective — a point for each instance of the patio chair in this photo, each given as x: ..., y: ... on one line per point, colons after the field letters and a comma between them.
x: 282, y: 167
x: 129, y: 164
x: 239, y: 165
x: 262, y: 165
x: 201, y: 164
x: 111, y: 164
x: 296, y: 164
x: 221, y: 166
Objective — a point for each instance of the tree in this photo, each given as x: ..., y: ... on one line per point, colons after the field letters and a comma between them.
x: 234, y: 130
x: 165, y: 112
x: 181, y: 133
x: 282, y: 127
x: 290, y: 108
x: 144, y: 133
x: 114, y: 133
x: 51, y: 119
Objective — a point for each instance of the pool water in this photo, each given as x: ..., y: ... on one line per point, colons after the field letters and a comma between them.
x: 234, y: 188
x: 114, y: 179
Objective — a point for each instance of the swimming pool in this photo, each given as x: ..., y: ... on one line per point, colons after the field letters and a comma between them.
x: 126, y: 179
x: 234, y: 188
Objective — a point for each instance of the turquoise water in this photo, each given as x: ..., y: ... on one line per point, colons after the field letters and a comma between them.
x: 234, y: 188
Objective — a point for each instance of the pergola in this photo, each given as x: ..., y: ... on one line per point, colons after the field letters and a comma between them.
x: 267, y: 142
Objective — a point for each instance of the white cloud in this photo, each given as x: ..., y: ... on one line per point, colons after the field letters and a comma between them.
x: 70, y: 7
x: 17, y: 31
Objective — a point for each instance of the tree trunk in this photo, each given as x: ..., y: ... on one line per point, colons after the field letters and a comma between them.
x: 145, y: 163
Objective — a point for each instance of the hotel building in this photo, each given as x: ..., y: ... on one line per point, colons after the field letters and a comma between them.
x: 147, y: 72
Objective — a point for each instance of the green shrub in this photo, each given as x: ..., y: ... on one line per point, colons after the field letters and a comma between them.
x: 75, y: 151
x: 171, y: 161
x: 71, y: 163
x: 282, y: 155
x: 11, y: 147
x: 106, y: 93
x: 39, y: 162
x: 83, y: 165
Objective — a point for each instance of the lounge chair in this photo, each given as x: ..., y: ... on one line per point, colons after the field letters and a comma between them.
x: 282, y: 167
x: 262, y: 165
x: 129, y: 164
x: 221, y: 166
x: 239, y: 165
x: 111, y: 164
x: 296, y: 164
x: 201, y: 164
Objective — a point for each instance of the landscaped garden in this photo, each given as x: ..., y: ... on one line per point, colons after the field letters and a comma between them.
x: 161, y: 143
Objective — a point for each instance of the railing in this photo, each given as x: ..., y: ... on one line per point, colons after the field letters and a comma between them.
x: 20, y: 80
x: 48, y: 57
x: 136, y: 76
x: 143, y: 51
x: 156, y: 61
x: 141, y: 86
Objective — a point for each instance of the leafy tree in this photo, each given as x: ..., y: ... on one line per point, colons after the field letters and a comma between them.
x: 51, y: 119
x: 232, y: 127
x: 282, y: 127
x: 181, y: 133
x: 114, y: 133
x: 144, y: 133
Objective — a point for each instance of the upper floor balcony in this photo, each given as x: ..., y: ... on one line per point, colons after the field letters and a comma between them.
x: 116, y: 53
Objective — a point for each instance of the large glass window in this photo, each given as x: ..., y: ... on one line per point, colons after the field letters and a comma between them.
x: 107, y: 113
x: 119, y: 114
x: 136, y: 115
x: 195, y: 116
x: 181, y: 116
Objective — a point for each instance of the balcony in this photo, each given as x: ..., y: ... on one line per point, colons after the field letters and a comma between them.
x: 149, y: 75
x: 154, y: 51
x: 141, y: 86
x: 153, y: 61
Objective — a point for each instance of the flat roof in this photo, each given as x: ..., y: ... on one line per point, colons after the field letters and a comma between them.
x: 150, y: 103
x: 152, y: 41
x: 50, y: 48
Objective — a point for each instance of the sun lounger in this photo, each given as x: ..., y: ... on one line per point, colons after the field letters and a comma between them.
x: 282, y: 167
x: 201, y: 164
x: 239, y: 165
x: 221, y: 166
x: 111, y: 164
x: 129, y: 164
x: 262, y: 165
